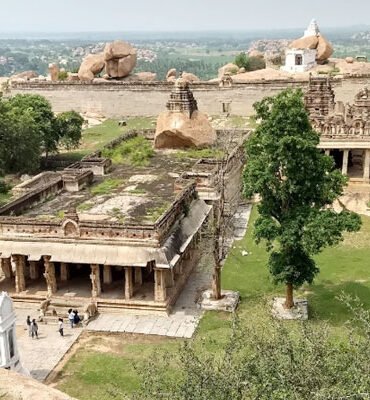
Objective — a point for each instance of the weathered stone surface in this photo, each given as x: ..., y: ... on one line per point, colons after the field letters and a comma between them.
x: 16, y: 386
x: 177, y: 130
x: 92, y: 65
x: 256, y: 53
x: 189, y: 77
x: 228, y: 302
x: 72, y: 77
x: 142, y: 77
x: 298, y: 312
x: 53, y: 72
x: 171, y: 75
x: 324, y: 49
x: 230, y: 69
x: 308, y: 42
x: 349, y: 60
x: 120, y: 58
x: 26, y: 75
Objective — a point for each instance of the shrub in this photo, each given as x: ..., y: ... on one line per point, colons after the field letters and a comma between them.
x: 249, y: 63
x: 62, y: 75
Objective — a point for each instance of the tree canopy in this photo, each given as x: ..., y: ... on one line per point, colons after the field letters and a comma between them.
x: 28, y: 128
x: 297, y: 185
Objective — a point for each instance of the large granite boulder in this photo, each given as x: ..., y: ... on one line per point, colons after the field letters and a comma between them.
x: 26, y: 75
x: 308, y: 42
x: 171, y: 75
x: 91, y: 66
x: 178, y: 130
x: 324, y: 50
x: 189, y: 77
x: 120, y: 59
x: 228, y: 69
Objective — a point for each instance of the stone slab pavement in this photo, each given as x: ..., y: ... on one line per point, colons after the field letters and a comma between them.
x: 40, y: 356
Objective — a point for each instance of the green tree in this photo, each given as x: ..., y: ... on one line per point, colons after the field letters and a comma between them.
x: 69, y: 126
x: 43, y: 116
x: 242, y: 61
x: 297, y: 185
x: 266, y: 359
x: 20, y: 140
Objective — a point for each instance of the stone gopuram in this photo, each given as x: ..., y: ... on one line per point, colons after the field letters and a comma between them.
x: 344, y: 128
x: 182, y: 125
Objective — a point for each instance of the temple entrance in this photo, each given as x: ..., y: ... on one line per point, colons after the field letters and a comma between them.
x: 73, y: 280
x: 298, y: 59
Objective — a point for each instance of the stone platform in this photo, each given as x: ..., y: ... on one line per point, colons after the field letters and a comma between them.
x: 298, y: 312
x: 228, y: 302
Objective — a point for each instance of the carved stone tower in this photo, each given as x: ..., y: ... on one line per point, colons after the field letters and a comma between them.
x: 319, y: 99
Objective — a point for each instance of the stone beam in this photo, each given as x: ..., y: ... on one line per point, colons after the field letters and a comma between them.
x: 345, y: 162
x: 160, y: 292
x: 20, y: 282
x: 49, y: 274
x: 129, y: 287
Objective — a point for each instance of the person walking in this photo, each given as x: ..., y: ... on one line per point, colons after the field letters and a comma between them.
x: 60, y: 324
x: 29, y: 322
x: 71, y: 317
x: 77, y: 318
x: 34, y: 329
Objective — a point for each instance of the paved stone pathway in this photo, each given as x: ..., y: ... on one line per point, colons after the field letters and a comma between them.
x: 40, y: 356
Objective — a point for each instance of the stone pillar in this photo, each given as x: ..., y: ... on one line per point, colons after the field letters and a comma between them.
x: 327, y: 152
x: 6, y: 266
x: 20, y: 282
x: 95, y: 280
x: 345, y: 162
x: 160, y: 292
x: 49, y: 274
x: 34, y: 270
x: 107, y: 274
x: 367, y: 166
x: 129, y: 287
x: 64, y: 272
x: 138, y: 276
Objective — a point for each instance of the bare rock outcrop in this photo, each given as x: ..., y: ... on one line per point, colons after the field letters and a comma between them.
x: 349, y: 60
x: 53, y: 70
x: 26, y: 75
x: 315, y: 42
x: 178, y: 130
x: 171, y: 75
x: 15, y: 386
x: 189, y: 77
x: 256, y: 54
x: 120, y: 59
x: 91, y: 66
x: 324, y: 50
x: 228, y: 69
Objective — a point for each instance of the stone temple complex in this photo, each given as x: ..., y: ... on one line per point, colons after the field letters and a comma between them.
x: 344, y: 128
x: 182, y: 125
x: 65, y: 243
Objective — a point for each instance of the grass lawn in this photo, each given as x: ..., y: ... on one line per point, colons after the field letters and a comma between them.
x: 104, y: 372
x: 96, y: 137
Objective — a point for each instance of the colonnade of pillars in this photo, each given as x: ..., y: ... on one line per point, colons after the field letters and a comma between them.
x: 366, y: 163
x: 133, y: 276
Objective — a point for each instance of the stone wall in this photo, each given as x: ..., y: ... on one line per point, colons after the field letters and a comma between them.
x: 118, y: 99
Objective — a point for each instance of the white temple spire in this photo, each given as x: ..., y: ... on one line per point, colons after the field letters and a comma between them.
x: 313, y: 29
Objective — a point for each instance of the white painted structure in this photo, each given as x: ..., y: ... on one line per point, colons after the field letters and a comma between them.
x: 299, y: 60
x: 9, y: 356
x: 312, y: 30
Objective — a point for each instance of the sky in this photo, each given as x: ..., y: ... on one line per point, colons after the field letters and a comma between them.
x: 177, y: 15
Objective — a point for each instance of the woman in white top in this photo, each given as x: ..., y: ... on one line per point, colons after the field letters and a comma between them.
x: 60, y: 324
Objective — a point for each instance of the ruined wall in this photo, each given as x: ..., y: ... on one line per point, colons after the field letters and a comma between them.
x: 124, y: 99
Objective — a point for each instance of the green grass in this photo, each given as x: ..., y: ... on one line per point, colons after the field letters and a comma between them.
x: 343, y: 268
x: 96, y: 137
x: 199, y: 153
x: 5, y: 197
x: 106, y: 187
x: 154, y: 213
x: 136, y: 151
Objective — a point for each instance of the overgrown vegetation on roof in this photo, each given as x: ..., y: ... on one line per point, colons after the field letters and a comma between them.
x: 136, y: 151
x: 106, y: 186
x: 200, y: 153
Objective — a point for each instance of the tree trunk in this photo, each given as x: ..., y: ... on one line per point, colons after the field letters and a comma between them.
x: 289, y: 303
x: 216, y: 283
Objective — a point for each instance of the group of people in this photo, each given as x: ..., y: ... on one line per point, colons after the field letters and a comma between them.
x: 32, y: 327
x: 73, y: 317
